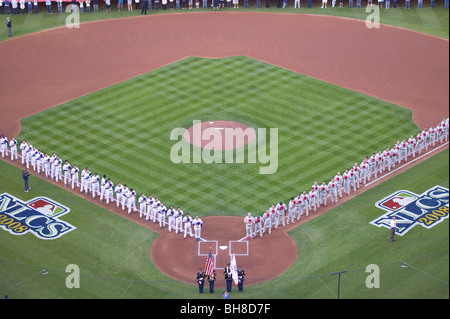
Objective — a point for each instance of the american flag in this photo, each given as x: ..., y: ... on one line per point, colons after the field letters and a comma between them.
x: 209, y: 266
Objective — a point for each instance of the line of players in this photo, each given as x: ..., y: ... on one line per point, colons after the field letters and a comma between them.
x: 152, y: 209
x: 281, y: 215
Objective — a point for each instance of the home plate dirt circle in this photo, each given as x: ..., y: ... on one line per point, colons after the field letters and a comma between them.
x: 219, y: 135
x: 262, y: 259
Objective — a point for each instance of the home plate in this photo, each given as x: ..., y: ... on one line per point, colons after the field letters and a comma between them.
x: 223, y: 247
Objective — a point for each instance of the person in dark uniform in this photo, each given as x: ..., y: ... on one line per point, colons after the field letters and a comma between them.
x: 144, y: 6
x: 25, y: 176
x: 8, y: 25
x: 228, y: 276
x: 200, y: 280
x: 211, y: 280
x: 241, y: 275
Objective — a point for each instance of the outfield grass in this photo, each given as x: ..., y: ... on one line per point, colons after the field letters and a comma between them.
x: 124, y: 132
x: 432, y: 21
x: 113, y: 253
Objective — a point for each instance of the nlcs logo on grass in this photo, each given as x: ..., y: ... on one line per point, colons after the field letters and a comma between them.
x: 40, y: 216
x: 410, y: 209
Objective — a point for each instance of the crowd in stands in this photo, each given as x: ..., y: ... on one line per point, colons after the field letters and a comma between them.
x: 31, y: 6
x: 152, y: 209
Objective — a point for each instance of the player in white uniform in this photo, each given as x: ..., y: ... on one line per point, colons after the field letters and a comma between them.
x: 258, y: 227
x: 131, y: 201
x: 298, y: 206
x: 3, y: 145
x: 171, y: 218
x: 162, y: 215
x: 154, y: 213
x: 387, y: 159
x: 432, y: 136
x: 292, y: 210
x: 356, y: 171
x: 178, y: 220
x: 364, y: 170
x: 109, y: 191
x: 150, y: 201
x: 57, y: 164
x: 338, y: 179
x: 39, y: 157
x: 305, y: 203
x: 126, y: 195
x: 142, y: 205
x: 315, y: 187
x: 273, y: 216
x: 282, y: 210
x: 95, y: 187
x: 13, y: 149
x: 198, y: 224
x: 312, y: 199
x: 66, y: 170
x: 323, y: 190
x: 74, y: 175
x: 267, y: 222
x: 85, y: 179
x: 248, y: 221
x: 187, y: 221
x: 346, y: 178
x: 332, y: 187
x: 412, y: 146
x: 119, y: 194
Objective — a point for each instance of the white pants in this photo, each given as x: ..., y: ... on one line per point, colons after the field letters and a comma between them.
x: 249, y: 230
x: 198, y: 231
x: 297, y: 4
x: 188, y: 229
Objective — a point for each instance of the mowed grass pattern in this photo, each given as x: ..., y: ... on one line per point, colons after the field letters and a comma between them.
x: 123, y: 131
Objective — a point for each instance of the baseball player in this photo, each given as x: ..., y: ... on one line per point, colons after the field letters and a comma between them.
x: 312, y: 199
x: 3, y: 145
x: 432, y: 136
x: 282, y: 210
x: 23, y: 147
x: 57, y: 168
x: 74, y: 175
x: 298, y: 206
x: 338, y: 179
x: 305, y: 203
x: 419, y: 142
x: 323, y: 190
x: 352, y: 179
x: 155, y: 208
x: 150, y: 201
x: 267, y: 222
x: 161, y: 211
x: 171, y: 218
x: 332, y: 187
x: 95, y: 185
x: 387, y: 159
x: 198, y: 224
x: 187, y: 221
x: 103, y: 182
x: 178, y: 220
x: 142, y: 205
x: 126, y: 195
x: 34, y: 153
x: 346, y: 178
x: 273, y: 216
x: 28, y: 151
x: 357, y: 172
x: 248, y: 221
x: 131, y: 201
x: 66, y: 170
x: 119, y: 194
x: 412, y: 146
x: 13, y: 149
x: 315, y: 187
x: 39, y: 157
x: 364, y: 170
x: 109, y: 191
x: 85, y: 179
x: 258, y: 227
x: 403, y: 152
x: 52, y: 164
x: 292, y: 210
x: 46, y: 165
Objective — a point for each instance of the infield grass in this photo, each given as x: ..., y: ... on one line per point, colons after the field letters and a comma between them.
x: 123, y: 131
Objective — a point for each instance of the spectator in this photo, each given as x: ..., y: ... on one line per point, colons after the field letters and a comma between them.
x: 130, y: 5
x: 48, y: 3
x: 14, y: 5
x: 1, y: 6
x: 95, y: 2
x: 30, y: 6
x: 138, y: 5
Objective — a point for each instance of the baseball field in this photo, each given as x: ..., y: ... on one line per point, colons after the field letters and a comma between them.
x: 116, y: 114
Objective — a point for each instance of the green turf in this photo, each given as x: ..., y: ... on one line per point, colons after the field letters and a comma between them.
x: 113, y: 253
x: 432, y: 21
x: 123, y: 131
